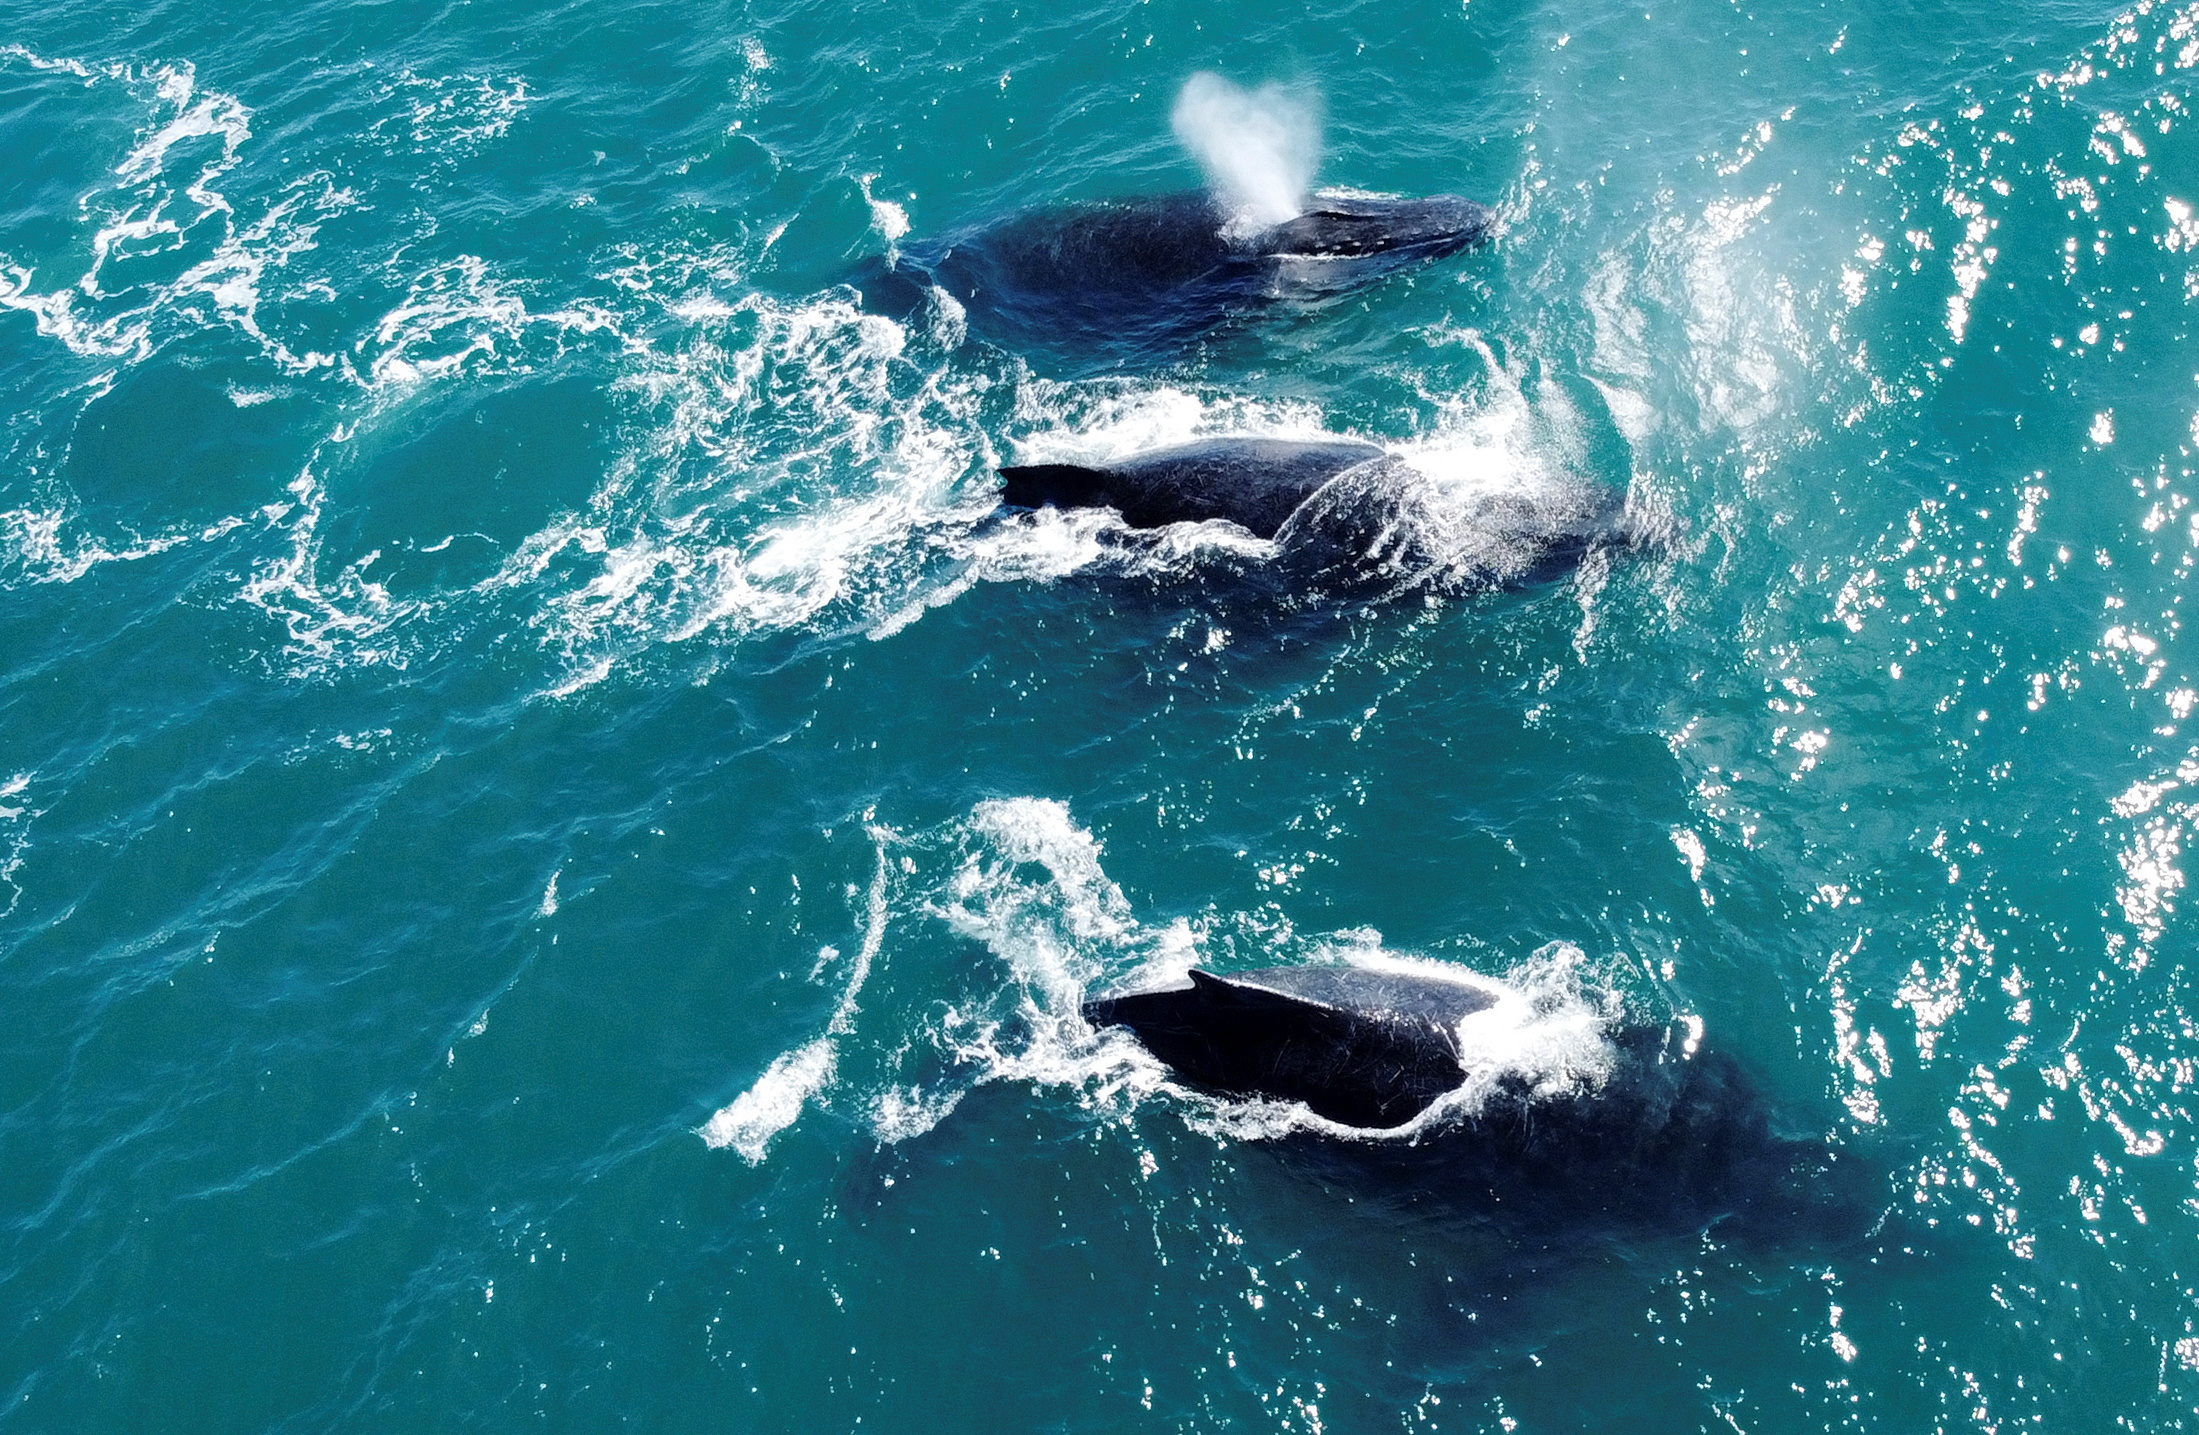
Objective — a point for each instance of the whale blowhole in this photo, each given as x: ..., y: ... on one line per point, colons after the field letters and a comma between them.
x: 1258, y: 148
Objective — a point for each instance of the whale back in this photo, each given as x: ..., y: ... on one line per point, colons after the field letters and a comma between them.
x: 1112, y: 247
x: 1255, y: 483
x: 1361, y: 1048
x: 1384, y: 519
x: 1117, y: 281
x: 1136, y: 279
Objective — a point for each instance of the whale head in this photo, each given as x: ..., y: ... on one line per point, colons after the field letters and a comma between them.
x: 1342, y: 225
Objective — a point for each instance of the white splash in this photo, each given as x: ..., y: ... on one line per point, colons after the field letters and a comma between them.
x: 890, y: 220
x: 1259, y: 149
x: 1027, y: 829
x: 773, y: 1103
x: 1548, y: 1034
x: 1545, y: 1036
x: 796, y: 1078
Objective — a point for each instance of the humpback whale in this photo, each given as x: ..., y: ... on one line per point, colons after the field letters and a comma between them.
x: 1342, y: 502
x: 1658, y: 1127
x: 1138, y: 278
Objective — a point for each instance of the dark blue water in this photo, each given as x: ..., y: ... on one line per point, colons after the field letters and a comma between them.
x: 550, y: 849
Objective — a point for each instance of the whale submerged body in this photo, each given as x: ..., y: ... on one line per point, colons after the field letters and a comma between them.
x: 1654, y: 1127
x: 1138, y: 278
x: 1340, y: 501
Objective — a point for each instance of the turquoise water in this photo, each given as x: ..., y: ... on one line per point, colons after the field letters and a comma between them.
x: 548, y: 858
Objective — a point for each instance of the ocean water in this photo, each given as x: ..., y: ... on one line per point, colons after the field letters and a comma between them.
x: 549, y: 851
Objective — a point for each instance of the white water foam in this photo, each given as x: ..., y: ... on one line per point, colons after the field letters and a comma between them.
x: 728, y: 514
x: 1259, y: 149
x: 773, y: 1103
x: 458, y: 310
x: 164, y: 197
x: 37, y: 546
x: 796, y: 1077
x: 786, y: 463
x: 171, y: 249
x: 16, y: 816
x: 447, y: 116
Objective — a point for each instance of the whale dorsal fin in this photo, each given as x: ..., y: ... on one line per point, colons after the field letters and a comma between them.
x: 1055, y: 485
x: 1232, y: 991
x: 1213, y: 988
